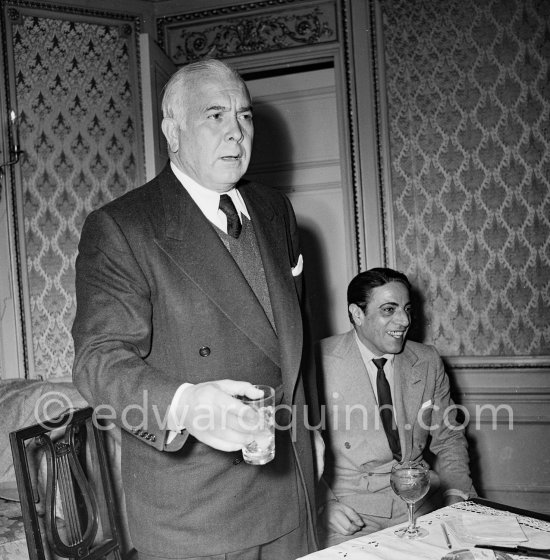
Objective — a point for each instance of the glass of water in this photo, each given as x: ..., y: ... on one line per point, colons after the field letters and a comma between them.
x: 262, y: 449
x: 410, y: 480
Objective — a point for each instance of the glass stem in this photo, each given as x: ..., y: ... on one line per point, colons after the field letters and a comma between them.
x: 411, y: 529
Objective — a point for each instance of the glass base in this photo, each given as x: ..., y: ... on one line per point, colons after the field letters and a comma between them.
x: 258, y: 459
x: 417, y: 533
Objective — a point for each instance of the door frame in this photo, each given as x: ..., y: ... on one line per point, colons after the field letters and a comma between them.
x: 354, y: 53
x: 354, y: 50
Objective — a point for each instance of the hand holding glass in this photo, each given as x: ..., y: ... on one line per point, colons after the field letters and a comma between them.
x: 262, y: 449
x: 410, y: 480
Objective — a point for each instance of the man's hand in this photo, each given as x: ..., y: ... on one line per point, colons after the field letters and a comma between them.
x: 211, y: 413
x: 451, y: 499
x: 341, y: 518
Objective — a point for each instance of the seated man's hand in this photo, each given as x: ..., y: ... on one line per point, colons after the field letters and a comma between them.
x: 340, y: 518
x: 211, y: 413
x: 453, y: 499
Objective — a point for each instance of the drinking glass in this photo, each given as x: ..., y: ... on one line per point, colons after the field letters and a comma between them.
x: 262, y: 449
x: 410, y: 480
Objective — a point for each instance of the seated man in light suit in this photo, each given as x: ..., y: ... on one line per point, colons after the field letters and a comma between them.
x: 355, y: 497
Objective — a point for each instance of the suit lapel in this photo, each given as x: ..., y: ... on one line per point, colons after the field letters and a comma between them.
x: 193, y: 245
x: 353, y: 377
x: 409, y: 384
x: 353, y: 372
x: 271, y: 238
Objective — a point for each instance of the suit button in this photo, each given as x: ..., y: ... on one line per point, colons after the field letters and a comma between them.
x: 347, y: 445
x: 204, y: 351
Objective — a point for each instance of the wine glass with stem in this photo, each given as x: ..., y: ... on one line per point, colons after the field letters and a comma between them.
x: 410, y: 480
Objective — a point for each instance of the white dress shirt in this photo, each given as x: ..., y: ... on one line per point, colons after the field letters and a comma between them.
x: 372, y: 370
x: 209, y: 201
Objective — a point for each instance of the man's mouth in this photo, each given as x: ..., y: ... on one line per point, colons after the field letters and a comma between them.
x: 231, y: 158
x: 396, y: 334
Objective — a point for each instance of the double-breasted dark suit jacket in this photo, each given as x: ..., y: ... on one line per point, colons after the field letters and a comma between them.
x: 358, y: 456
x: 160, y: 301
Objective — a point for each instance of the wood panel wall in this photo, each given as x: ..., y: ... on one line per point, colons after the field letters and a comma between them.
x: 508, y: 430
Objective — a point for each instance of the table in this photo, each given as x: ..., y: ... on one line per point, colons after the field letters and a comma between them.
x: 385, y: 545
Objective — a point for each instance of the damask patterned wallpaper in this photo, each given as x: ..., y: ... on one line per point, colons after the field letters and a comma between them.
x: 468, y: 85
x: 77, y: 105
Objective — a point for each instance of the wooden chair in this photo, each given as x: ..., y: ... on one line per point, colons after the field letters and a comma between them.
x: 74, y: 516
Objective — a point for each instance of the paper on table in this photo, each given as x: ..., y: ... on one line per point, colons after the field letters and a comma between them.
x: 537, y: 538
x: 481, y: 529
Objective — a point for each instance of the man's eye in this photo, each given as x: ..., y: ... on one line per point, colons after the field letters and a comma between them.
x: 215, y: 116
x: 246, y: 116
x: 388, y: 309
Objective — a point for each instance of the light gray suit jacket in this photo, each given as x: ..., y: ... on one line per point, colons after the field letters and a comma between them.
x: 358, y: 457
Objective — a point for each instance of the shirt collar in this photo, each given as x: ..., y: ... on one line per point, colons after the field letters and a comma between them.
x: 367, y: 354
x: 206, y: 199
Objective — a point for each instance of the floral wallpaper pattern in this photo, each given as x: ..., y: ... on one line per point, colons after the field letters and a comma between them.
x: 77, y: 111
x: 468, y: 87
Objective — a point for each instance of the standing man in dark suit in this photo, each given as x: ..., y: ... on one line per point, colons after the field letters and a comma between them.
x: 366, y: 372
x: 188, y: 293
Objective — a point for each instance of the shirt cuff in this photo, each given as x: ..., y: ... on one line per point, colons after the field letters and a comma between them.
x: 174, y: 425
x: 455, y: 492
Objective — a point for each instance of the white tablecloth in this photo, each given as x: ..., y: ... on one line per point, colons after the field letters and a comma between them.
x: 385, y: 545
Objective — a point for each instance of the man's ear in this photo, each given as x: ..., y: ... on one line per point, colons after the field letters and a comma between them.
x: 356, y: 314
x: 170, y: 129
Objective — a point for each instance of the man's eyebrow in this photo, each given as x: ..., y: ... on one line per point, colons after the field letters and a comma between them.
x: 217, y: 108
x: 394, y: 303
x: 247, y: 109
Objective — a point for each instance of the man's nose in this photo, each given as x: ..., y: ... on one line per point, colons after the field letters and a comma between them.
x: 403, y: 317
x: 234, y: 131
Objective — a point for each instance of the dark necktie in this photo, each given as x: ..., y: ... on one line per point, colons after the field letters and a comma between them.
x: 233, y: 221
x: 386, y: 408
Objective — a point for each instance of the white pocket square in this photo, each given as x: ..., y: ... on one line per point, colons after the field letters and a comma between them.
x: 426, y: 404
x: 297, y: 270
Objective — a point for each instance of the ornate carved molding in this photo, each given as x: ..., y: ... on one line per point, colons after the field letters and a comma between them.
x: 14, y: 15
x: 63, y: 8
x: 216, y: 34
x: 357, y: 216
x: 498, y: 362
x: 378, y: 93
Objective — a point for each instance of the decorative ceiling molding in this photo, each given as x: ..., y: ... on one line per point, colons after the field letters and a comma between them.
x: 246, y: 29
x: 13, y: 5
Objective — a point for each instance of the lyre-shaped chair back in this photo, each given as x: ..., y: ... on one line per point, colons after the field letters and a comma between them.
x: 74, y: 516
